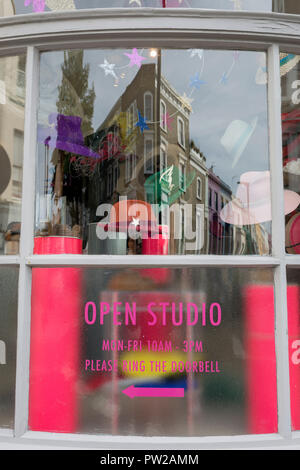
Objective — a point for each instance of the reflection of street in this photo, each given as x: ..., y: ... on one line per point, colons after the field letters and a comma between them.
x: 159, y: 164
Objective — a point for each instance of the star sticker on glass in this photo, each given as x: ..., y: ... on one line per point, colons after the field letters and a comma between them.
x: 141, y: 123
x: 196, y: 81
x: 108, y: 68
x: 187, y: 99
x: 135, y: 58
x: 224, y: 79
x: 196, y: 52
x: 37, y: 5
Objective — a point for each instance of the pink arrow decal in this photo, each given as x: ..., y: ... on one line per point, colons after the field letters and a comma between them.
x: 133, y: 391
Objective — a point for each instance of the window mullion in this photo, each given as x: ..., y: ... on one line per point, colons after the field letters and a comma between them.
x: 278, y: 242
x: 26, y: 244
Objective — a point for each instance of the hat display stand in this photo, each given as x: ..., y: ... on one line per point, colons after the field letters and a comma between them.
x: 55, y: 339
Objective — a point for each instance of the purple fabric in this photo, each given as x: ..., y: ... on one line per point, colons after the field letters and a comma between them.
x: 65, y: 134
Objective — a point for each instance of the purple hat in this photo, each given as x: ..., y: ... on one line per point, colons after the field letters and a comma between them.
x: 65, y: 135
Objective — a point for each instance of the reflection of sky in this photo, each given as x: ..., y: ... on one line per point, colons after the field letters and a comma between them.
x: 252, y: 5
x: 215, y: 104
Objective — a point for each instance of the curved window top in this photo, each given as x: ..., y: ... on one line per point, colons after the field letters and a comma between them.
x: 19, y: 7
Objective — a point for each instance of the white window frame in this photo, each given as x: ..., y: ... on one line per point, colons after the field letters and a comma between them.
x: 267, y: 32
x: 199, y: 189
x: 163, y: 124
x: 180, y: 121
x: 163, y: 149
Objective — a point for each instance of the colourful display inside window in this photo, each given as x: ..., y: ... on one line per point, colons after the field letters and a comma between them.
x: 127, y: 137
x: 290, y: 73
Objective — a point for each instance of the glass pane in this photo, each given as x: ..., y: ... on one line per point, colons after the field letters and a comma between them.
x: 290, y: 75
x: 12, y: 7
x: 101, y: 190
x: 12, y: 101
x: 8, y: 340
x: 153, y: 351
x: 294, y: 343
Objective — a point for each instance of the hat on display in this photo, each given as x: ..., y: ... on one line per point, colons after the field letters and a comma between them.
x: 292, y: 233
x: 288, y: 62
x: 236, y: 138
x: 65, y: 134
x: 252, y: 204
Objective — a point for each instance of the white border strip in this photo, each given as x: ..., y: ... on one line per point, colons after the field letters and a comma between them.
x: 145, y: 260
x: 278, y: 237
x: 26, y: 245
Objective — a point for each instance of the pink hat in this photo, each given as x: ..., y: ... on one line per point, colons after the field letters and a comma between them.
x: 252, y: 204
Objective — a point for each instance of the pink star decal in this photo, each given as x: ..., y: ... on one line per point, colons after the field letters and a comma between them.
x: 167, y: 121
x: 37, y: 5
x: 135, y: 58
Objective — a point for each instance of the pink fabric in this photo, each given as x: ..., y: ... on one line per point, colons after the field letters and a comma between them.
x: 259, y: 334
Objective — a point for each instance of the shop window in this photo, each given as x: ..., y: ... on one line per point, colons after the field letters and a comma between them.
x: 12, y: 92
x: 80, y: 143
x: 8, y: 343
x: 290, y: 83
x: 127, y: 331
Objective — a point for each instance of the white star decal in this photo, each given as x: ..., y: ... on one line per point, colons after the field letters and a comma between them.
x: 108, y: 68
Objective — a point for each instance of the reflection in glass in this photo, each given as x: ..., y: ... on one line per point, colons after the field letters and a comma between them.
x: 293, y: 297
x: 12, y: 101
x: 8, y: 346
x: 96, y: 333
x: 11, y: 7
x: 127, y: 137
x: 290, y: 74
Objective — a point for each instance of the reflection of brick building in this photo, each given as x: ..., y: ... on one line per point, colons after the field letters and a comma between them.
x: 220, y: 233
x: 140, y: 165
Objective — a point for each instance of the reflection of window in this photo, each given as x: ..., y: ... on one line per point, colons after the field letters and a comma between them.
x: 210, y: 197
x: 181, y: 133
x: 163, y: 112
x: 182, y: 176
x: 131, y: 118
x: 109, y: 182
x: 17, y: 172
x: 163, y: 158
x: 21, y: 77
x: 148, y: 106
x: 182, y: 231
x: 130, y: 167
x: 148, y: 154
x: 216, y: 201
x: 199, y: 232
x: 115, y: 176
x: 199, y: 188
